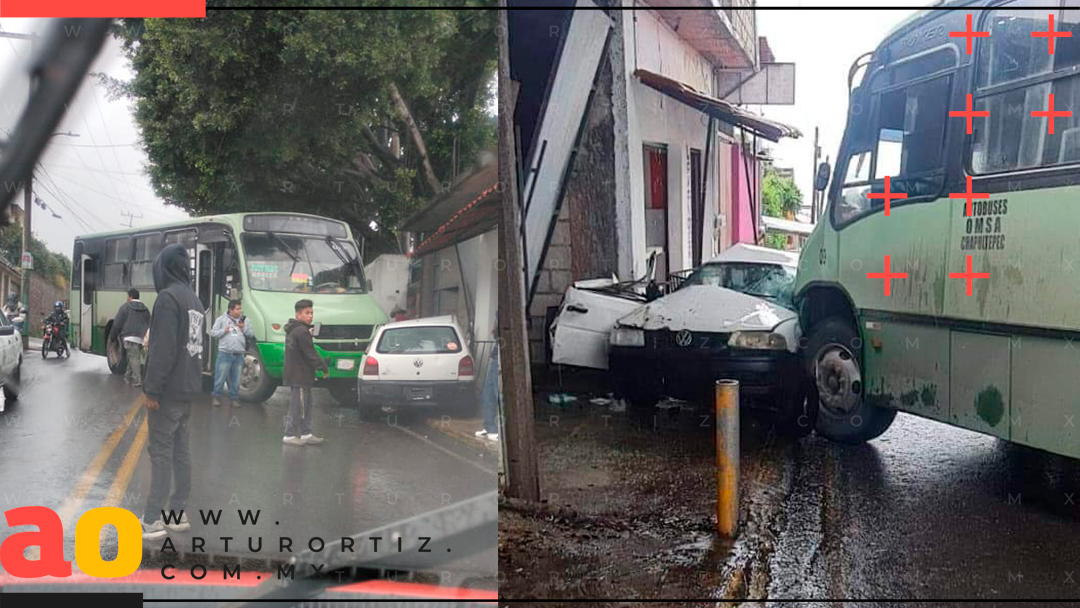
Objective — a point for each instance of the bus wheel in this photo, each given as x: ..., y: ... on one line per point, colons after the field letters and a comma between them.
x: 256, y: 385
x: 835, y: 366
x: 114, y: 354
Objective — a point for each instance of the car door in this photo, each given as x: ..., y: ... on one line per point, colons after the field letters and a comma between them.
x: 10, y: 348
x: 580, y: 331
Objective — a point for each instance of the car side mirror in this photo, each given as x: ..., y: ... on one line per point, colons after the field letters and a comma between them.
x: 821, y: 180
x: 7, y: 330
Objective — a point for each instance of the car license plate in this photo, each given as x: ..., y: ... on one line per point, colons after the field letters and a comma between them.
x: 346, y: 364
x: 418, y: 394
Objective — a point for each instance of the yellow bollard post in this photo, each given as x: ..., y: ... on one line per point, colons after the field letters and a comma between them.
x: 727, y: 457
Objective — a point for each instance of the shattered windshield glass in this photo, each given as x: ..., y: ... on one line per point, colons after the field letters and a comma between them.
x: 771, y: 281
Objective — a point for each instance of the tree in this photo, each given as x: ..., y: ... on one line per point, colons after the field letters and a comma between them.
x: 779, y: 198
x: 363, y: 116
x: 53, y: 267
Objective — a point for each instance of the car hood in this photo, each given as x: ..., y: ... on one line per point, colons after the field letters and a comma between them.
x: 706, y: 308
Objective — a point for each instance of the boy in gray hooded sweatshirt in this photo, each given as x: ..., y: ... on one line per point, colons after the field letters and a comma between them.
x: 173, y: 380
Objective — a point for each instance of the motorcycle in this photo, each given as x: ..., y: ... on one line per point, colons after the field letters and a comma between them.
x: 53, y: 340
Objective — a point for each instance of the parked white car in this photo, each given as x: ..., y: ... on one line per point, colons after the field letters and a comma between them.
x: 419, y: 362
x: 10, y: 358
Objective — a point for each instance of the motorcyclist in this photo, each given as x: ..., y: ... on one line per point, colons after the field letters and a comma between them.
x: 59, y: 317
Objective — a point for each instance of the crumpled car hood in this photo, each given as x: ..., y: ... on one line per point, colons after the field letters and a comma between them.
x: 705, y: 308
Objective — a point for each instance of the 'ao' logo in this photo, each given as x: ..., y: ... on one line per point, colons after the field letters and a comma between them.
x: 50, y: 538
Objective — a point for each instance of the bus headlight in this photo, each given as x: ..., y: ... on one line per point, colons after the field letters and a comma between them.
x: 761, y: 340
x: 627, y: 336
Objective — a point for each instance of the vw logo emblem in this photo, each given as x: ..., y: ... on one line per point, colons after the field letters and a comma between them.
x: 418, y: 363
x: 684, y: 338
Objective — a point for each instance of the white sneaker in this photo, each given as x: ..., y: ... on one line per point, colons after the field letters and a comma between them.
x: 153, y: 531
x: 493, y: 436
x: 310, y: 439
x: 481, y: 433
x: 180, y: 526
x: 293, y: 441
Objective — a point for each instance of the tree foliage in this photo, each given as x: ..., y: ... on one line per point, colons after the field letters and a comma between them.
x: 53, y: 267
x: 779, y: 197
x: 324, y: 112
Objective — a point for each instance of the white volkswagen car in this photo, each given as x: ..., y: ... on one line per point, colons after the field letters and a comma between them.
x: 10, y: 358
x: 419, y: 362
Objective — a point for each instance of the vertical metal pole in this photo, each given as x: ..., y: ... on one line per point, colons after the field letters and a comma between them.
x: 28, y: 206
x: 727, y: 457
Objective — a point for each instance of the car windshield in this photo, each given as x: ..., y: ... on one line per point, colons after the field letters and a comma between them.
x: 771, y: 281
x: 303, y: 264
x: 419, y: 340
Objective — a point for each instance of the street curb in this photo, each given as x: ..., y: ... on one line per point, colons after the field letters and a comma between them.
x: 464, y: 437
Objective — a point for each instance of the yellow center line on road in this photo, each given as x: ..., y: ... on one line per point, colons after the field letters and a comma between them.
x: 127, y: 468
x: 74, y: 500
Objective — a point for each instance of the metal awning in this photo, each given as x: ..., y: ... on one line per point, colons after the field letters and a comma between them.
x: 718, y: 108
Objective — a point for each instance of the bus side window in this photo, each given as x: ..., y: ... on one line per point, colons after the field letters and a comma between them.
x: 1011, y: 138
x: 114, y: 268
x: 147, y: 246
x: 907, y: 129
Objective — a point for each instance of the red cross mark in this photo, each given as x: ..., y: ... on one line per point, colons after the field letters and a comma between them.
x: 1050, y: 35
x: 969, y: 34
x: 1051, y: 113
x: 888, y: 195
x: 969, y: 114
x: 887, y: 275
x: 969, y: 195
x: 969, y: 275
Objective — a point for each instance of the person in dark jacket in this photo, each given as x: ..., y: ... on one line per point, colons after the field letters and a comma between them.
x: 172, y: 381
x: 301, y: 362
x: 129, y: 326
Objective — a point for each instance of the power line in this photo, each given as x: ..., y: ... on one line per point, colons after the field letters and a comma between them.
x: 90, y: 132
x: 64, y: 197
x: 108, y: 136
x: 52, y: 188
x: 118, y: 200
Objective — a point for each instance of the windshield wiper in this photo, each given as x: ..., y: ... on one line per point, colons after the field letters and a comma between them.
x: 285, y: 246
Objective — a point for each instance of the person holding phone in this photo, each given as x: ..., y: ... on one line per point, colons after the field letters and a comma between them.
x: 232, y: 333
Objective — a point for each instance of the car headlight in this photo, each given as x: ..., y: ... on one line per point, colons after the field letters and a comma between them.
x: 627, y: 336
x: 763, y: 340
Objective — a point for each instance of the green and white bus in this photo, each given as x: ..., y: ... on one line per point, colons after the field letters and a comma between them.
x: 267, y: 260
x: 1002, y: 356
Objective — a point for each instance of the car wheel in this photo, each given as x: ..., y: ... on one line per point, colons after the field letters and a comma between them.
x: 11, y: 387
x: 834, y: 361
x: 256, y: 385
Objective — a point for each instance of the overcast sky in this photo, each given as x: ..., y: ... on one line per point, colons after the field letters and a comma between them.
x: 91, y: 179
x: 823, y: 44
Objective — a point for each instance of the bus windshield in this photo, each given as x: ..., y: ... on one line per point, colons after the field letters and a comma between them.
x: 302, y: 264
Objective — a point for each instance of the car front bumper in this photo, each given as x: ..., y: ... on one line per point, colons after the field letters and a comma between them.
x: 691, y: 373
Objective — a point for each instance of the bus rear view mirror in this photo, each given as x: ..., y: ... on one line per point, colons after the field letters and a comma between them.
x: 227, y: 259
x: 821, y: 180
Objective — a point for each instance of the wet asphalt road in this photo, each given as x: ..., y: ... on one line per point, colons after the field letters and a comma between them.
x: 927, y: 511
x: 75, y: 440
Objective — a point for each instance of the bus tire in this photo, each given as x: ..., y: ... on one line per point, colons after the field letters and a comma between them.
x: 114, y: 354
x: 256, y: 385
x: 834, y: 363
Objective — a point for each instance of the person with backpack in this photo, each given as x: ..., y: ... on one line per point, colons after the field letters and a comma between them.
x: 131, y: 322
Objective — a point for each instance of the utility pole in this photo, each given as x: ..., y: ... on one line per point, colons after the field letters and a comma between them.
x: 522, y: 470
x: 132, y: 217
x: 28, y: 205
x: 813, y: 179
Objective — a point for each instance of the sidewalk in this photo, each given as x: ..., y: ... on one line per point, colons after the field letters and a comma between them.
x: 463, y: 430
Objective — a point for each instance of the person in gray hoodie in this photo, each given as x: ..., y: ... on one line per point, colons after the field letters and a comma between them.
x: 232, y: 333
x: 172, y: 381
x: 129, y: 326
